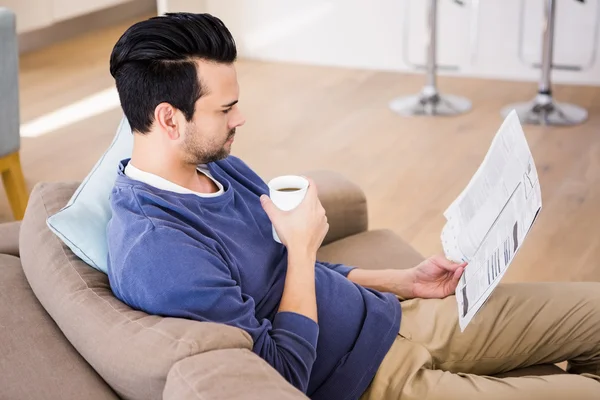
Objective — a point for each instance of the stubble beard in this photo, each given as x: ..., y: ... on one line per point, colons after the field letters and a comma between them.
x: 198, y: 153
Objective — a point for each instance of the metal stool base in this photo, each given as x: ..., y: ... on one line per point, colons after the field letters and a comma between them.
x: 430, y: 104
x: 540, y: 112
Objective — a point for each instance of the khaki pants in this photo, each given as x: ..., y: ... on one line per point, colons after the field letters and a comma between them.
x: 520, y: 325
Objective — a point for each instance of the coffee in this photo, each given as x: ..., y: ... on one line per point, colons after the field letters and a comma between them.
x: 288, y: 189
x: 286, y: 193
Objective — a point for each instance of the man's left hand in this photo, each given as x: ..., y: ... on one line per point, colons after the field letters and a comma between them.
x: 436, y: 278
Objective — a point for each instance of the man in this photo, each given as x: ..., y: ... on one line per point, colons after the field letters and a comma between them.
x: 191, y: 237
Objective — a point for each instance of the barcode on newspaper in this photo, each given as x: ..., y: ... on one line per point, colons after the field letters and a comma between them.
x: 498, y: 261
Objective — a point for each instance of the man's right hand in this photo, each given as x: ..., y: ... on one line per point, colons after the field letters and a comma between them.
x: 304, y: 227
x: 302, y: 231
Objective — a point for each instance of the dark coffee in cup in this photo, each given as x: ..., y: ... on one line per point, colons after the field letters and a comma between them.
x: 288, y: 189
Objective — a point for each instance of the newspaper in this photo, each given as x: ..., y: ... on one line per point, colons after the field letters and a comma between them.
x: 488, y: 222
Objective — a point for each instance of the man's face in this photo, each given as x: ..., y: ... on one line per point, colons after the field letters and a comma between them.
x: 209, y: 135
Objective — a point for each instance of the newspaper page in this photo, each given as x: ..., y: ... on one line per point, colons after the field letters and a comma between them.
x: 488, y: 222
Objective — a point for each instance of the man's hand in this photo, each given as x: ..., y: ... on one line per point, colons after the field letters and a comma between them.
x: 302, y: 231
x: 436, y: 278
x: 303, y: 228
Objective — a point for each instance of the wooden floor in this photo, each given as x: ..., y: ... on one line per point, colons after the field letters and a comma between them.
x: 305, y: 117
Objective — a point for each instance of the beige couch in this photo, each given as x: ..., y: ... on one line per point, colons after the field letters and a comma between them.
x: 65, y: 336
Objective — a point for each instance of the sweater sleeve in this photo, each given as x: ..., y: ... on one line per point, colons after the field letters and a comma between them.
x: 167, y: 273
x: 340, y: 268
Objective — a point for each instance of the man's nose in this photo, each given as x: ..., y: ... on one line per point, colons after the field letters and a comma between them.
x: 240, y: 120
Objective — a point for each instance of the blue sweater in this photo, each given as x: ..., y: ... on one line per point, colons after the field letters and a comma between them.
x: 214, y: 259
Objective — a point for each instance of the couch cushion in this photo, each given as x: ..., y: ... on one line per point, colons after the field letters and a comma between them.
x: 81, y: 223
x: 345, y: 204
x: 9, y: 238
x: 378, y: 249
x: 37, y: 361
x: 131, y: 350
x: 245, y: 376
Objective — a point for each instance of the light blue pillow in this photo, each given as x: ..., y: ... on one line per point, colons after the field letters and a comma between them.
x: 81, y: 224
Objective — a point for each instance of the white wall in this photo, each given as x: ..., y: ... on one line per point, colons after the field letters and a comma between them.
x: 369, y: 34
x: 65, y: 9
x: 31, y: 14
x: 37, y: 14
x: 196, y: 6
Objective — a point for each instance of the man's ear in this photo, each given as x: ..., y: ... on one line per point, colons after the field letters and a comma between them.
x: 166, y: 118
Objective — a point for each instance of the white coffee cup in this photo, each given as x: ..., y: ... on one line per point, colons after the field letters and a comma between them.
x: 287, y: 192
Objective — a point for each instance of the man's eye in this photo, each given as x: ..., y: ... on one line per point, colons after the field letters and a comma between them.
x: 226, y: 111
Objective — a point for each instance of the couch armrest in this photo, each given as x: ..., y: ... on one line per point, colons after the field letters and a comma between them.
x: 9, y: 238
x: 345, y: 204
x: 229, y: 374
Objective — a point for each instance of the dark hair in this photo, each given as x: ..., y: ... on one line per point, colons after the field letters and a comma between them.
x: 154, y: 62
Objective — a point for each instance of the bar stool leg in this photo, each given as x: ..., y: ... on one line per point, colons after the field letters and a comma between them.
x: 543, y: 110
x: 430, y: 101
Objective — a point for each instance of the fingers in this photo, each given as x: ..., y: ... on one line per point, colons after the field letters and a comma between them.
x: 320, y: 210
x: 456, y: 277
x: 446, y: 264
x: 311, y: 184
x: 457, y: 274
x: 325, y: 229
x: 312, y: 198
x: 312, y: 191
x: 268, y: 206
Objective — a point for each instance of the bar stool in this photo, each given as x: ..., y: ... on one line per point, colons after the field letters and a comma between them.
x: 430, y: 101
x: 543, y: 110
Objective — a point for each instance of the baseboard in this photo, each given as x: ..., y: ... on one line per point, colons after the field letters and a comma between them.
x: 30, y: 41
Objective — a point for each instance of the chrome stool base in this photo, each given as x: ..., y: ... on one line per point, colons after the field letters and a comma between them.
x: 544, y: 111
x: 430, y: 103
